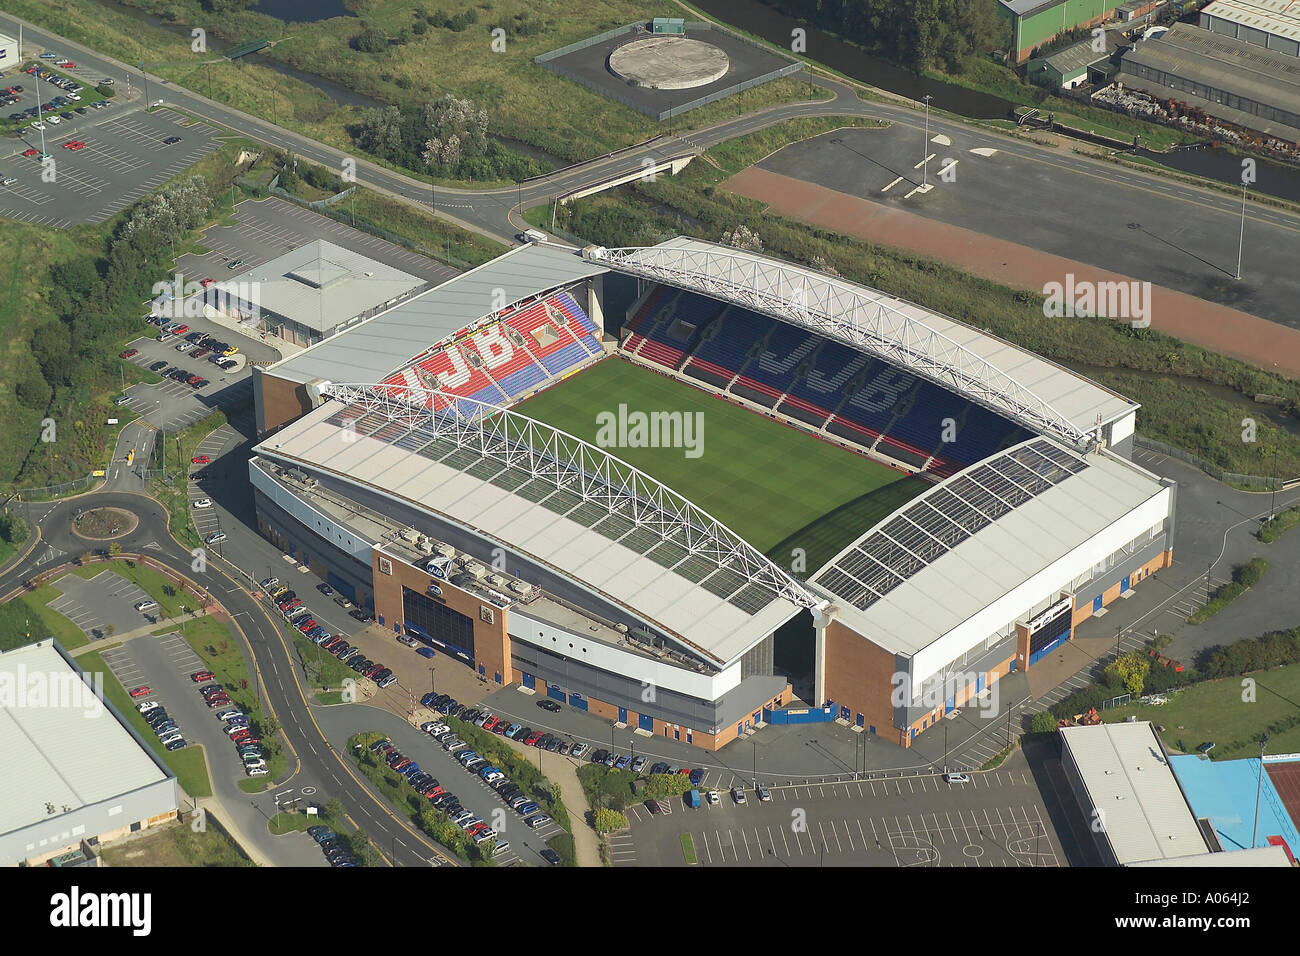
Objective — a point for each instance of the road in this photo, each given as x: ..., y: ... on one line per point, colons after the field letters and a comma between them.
x: 495, y: 211
x: 316, y: 761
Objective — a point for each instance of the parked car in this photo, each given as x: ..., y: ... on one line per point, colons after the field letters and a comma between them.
x: 549, y: 705
x: 141, y: 691
x: 738, y: 795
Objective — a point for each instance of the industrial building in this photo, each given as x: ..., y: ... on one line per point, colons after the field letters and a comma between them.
x: 1035, y: 22
x: 1075, y: 65
x: 1235, y: 81
x: 8, y: 52
x: 313, y: 292
x: 1271, y: 24
x: 76, y: 773
x: 393, y: 463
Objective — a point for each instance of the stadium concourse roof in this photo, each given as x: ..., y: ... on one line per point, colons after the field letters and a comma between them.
x: 1010, y: 380
x: 71, y: 752
x: 963, y: 544
x: 372, y: 350
x: 711, y: 592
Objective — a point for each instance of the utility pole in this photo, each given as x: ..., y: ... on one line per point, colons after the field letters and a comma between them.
x: 925, y: 147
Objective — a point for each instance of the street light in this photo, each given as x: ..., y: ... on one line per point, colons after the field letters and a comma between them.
x: 925, y: 147
x: 1259, y: 785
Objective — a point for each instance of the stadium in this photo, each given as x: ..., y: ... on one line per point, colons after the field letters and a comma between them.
x: 671, y: 485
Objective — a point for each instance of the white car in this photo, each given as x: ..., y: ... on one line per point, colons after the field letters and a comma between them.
x: 215, y: 538
x: 53, y: 120
x: 184, y: 346
x: 73, y: 96
x: 268, y: 582
x: 203, y: 502
x: 711, y: 797
x: 227, y: 714
x: 168, y: 738
x: 256, y: 770
x: 146, y: 605
x: 147, y: 706
x: 39, y: 126
x: 951, y: 778
x: 738, y: 794
x: 165, y: 336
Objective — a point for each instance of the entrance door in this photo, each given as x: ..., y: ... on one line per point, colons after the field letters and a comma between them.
x: 1096, y: 604
x: 645, y: 722
x: 622, y: 715
x: 529, y: 681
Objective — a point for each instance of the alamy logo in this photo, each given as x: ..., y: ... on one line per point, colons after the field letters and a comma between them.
x: 625, y: 429
x: 1113, y: 300
x: 75, y: 909
x: 178, y: 299
x: 39, y: 689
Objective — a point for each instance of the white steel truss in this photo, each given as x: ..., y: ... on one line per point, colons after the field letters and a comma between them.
x: 866, y: 319
x: 573, y: 465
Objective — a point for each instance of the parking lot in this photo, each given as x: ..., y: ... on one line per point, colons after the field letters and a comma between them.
x: 997, y: 819
x: 124, y: 158
x: 271, y: 227
x: 171, y: 405
x: 103, y: 605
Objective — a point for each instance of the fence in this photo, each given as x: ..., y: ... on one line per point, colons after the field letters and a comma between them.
x: 52, y: 491
x: 1214, y: 471
x: 546, y: 60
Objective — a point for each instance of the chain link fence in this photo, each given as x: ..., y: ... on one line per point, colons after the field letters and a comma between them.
x: 1214, y: 471
x: 50, y: 491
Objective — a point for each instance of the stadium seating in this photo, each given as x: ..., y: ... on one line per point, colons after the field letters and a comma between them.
x: 508, y: 358
x: 822, y: 383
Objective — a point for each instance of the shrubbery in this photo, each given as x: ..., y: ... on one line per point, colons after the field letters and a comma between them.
x: 1244, y: 577
x: 1251, y: 654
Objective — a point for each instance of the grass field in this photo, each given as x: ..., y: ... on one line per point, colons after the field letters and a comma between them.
x: 777, y: 487
x: 26, y: 618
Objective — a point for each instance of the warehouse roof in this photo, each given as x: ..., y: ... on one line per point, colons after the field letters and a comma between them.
x: 1220, y: 62
x: 321, y: 285
x: 1079, y: 56
x: 1141, y: 810
x: 66, y: 751
x: 374, y: 349
x: 1027, y: 8
x: 975, y: 537
x: 1281, y: 17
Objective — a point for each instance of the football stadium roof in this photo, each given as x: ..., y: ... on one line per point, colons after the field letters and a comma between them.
x: 1012, y: 381
x: 372, y: 350
x: 952, y: 551
x: 558, y: 500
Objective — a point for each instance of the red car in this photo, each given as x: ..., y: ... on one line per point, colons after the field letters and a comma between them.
x: 31, y: 152
x: 240, y: 736
x: 200, y: 676
x: 200, y: 460
x: 74, y: 144
x: 181, y: 331
x: 490, y: 723
x: 535, y: 736
x: 221, y: 701
x: 128, y: 353
x: 306, y: 625
x: 207, y: 282
x: 141, y: 691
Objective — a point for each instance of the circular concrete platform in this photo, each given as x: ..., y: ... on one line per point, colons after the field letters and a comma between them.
x: 669, y: 63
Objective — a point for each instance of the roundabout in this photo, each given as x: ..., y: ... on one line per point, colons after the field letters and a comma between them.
x: 104, y: 524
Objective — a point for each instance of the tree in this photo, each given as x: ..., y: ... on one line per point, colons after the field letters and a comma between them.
x: 372, y: 39
x: 742, y: 237
x: 1130, y: 670
x: 1042, y: 723
x: 380, y: 130
x: 457, y: 131
x: 606, y: 820
x: 114, y: 549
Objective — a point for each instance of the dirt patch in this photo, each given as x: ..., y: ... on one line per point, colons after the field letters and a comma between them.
x: 104, y: 524
x: 1218, y: 328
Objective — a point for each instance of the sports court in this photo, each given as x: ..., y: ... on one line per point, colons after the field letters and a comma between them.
x: 779, y: 488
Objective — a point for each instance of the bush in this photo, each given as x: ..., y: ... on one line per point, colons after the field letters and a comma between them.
x: 1042, y: 723
x: 1251, y: 654
x: 659, y: 785
x: 607, y: 820
x: 1244, y: 577
x: 370, y: 40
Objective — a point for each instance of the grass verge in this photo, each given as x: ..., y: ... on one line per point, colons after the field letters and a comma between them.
x: 1278, y: 525
x: 1244, y: 577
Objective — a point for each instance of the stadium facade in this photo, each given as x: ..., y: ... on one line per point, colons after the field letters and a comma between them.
x: 393, y: 461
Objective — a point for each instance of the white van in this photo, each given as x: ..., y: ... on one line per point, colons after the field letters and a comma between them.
x: 533, y: 235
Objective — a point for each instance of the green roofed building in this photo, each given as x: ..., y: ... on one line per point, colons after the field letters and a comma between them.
x: 1034, y: 22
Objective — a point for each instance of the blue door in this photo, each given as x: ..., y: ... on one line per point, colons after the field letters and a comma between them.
x: 577, y: 701
x: 622, y: 715
x: 740, y: 729
x: 860, y: 721
x: 530, y: 681
x: 979, y: 684
x: 1124, y: 585
x: 645, y: 722
x: 557, y: 692
x: 950, y: 704
x: 845, y: 712
x: 1096, y: 604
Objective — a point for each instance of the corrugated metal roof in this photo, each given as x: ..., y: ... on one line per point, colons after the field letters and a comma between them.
x: 1281, y: 17
x: 1140, y: 808
x: 1078, y: 57
x: 372, y: 350
x: 718, y: 627
x: 65, y: 751
x: 321, y: 285
x: 1024, y: 8
x: 928, y: 593
x: 1220, y: 62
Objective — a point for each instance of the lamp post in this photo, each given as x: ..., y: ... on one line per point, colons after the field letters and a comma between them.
x: 1241, y: 236
x: 1259, y: 785
x: 925, y: 147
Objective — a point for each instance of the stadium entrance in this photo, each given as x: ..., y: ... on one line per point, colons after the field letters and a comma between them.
x: 429, y: 620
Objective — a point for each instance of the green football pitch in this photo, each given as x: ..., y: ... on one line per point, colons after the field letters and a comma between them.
x: 777, y: 487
